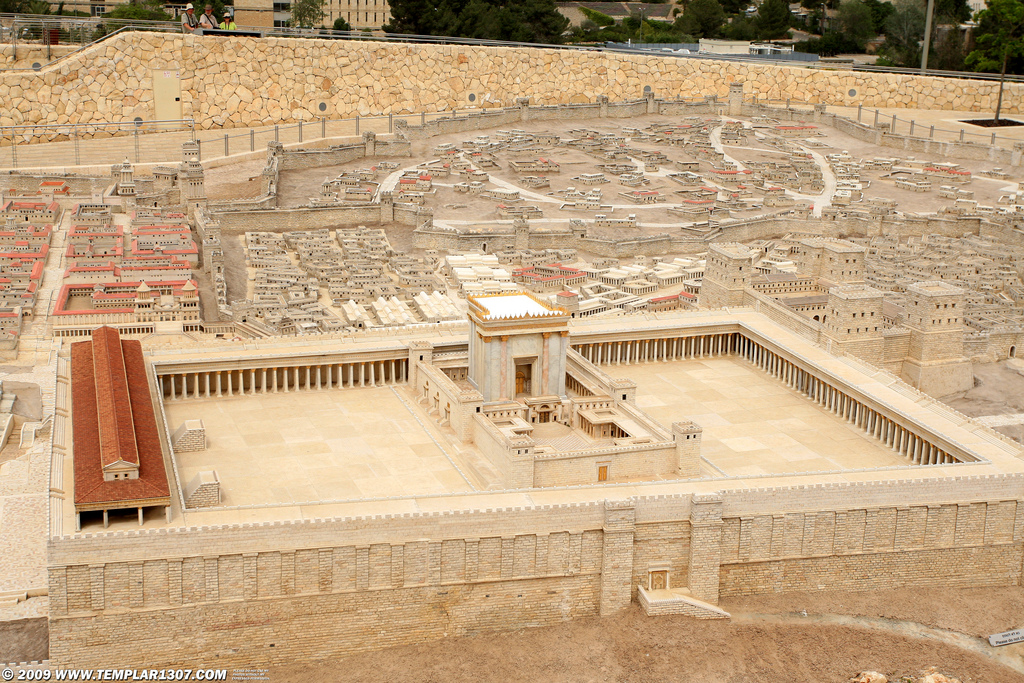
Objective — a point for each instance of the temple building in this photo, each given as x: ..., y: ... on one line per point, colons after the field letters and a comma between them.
x: 118, y: 460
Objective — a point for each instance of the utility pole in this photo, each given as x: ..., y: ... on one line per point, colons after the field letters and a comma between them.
x: 927, y: 35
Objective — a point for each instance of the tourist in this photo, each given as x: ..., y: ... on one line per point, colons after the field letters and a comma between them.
x: 208, y: 20
x: 229, y: 20
x: 189, y: 23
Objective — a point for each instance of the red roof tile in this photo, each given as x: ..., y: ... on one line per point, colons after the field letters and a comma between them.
x: 113, y: 419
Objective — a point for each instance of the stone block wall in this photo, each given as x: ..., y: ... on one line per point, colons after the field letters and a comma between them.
x: 271, y: 593
x: 971, y: 544
x: 625, y: 463
x: 203, y: 491
x: 189, y: 436
x: 113, y: 81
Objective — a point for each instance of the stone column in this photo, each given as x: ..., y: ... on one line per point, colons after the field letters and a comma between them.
x: 705, y: 546
x: 617, y: 556
x: 545, y: 352
x: 503, y: 391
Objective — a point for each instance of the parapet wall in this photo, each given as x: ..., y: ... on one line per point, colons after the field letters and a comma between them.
x: 275, y: 80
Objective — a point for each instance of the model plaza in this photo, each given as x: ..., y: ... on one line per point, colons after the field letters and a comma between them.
x: 527, y: 399
x: 323, y: 444
x: 585, y: 348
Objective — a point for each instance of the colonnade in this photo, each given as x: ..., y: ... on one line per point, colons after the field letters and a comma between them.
x: 894, y: 435
x: 890, y: 432
x: 86, y: 331
x: 670, y: 348
x: 272, y: 380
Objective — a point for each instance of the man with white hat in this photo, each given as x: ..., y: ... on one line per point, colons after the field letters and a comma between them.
x: 189, y: 23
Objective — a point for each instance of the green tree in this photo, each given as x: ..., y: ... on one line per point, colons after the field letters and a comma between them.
x: 533, y: 21
x: 949, y: 50
x: 307, y: 13
x: 880, y: 11
x: 599, y: 18
x: 36, y: 7
x: 855, y: 22
x: 341, y: 25
x: 952, y: 11
x: 904, y: 31
x: 701, y: 18
x: 998, y: 39
x: 773, y: 19
x: 740, y: 28
x: 735, y: 6
x: 139, y: 11
x: 830, y: 44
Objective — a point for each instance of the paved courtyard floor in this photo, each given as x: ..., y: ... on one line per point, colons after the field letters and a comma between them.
x: 314, y: 446
x: 753, y: 424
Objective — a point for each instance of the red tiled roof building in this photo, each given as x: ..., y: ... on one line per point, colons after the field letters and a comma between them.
x: 118, y: 459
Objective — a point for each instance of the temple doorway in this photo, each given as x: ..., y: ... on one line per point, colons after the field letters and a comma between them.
x: 523, y: 377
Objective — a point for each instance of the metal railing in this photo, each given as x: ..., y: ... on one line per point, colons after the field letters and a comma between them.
x: 977, y: 75
x: 75, y: 134
x: 46, y: 31
x: 875, y: 118
x: 39, y: 30
x: 891, y: 123
x: 155, y: 142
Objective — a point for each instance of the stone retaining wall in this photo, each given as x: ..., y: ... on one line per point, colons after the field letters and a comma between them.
x: 243, y: 81
x: 255, y: 594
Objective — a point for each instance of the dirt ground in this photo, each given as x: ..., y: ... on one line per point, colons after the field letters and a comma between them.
x: 761, y: 643
x: 24, y: 640
x: 998, y: 389
x: 235, y: 181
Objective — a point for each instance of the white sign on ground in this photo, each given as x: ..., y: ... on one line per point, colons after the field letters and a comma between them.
x: 1006, y: 638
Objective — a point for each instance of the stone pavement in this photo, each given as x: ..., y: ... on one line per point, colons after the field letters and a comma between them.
x: 319, y: 446
x: 947, y: 123
x: 24, y: 505
x: 753, y: 424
